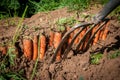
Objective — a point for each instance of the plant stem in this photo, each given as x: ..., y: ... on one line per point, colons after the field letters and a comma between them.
x: 36, y: 63
x: 19, y: 27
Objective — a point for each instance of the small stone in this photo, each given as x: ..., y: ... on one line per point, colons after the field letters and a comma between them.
x: 85, y: 68
x: 70, y: 54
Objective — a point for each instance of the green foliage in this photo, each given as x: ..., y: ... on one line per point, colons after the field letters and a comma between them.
x: 19, y: 27
x: 116, y: 13
x: 14, y: 7
x: 9, y: 58
x: 95, y: 58
x: 48, y: 5
x: 114, y: 55
x: 9, y: 7
x: 102, y: 1
x: 12, y: 76
x: 63, y: 22
x: 66, y: 21
x: 11, y: 55
x: 78, y: 5
x: 8, y: 61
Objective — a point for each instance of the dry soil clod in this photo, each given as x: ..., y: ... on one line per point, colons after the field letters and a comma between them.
x: 3, y: 49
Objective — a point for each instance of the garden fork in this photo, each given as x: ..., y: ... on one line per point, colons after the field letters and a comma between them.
x: 98, y: 19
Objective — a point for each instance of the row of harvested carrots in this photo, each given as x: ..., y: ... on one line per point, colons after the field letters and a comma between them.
x: 31, y: 47
x: 100, y: 35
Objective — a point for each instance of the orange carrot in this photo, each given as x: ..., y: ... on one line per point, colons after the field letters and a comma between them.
x: 51, y: 38
x: 81, y: 36
x: 101, y: 33
x: 71, y: 36
x: 105, y: 31
x: 77, y: 39
x: 86, y: 40
x: 57, y: 39
x: 96, y: 38
x: 35, y: 47
x: 28, y: 48
x: 42, y: 46
x: 3, y: 49
x: 96, y: 35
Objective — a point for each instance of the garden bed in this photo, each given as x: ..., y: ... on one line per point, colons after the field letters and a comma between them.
x: 99, y: 62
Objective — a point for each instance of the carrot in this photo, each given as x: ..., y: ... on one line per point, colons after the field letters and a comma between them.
x: 35, y: 47
x: 70, y: 37
x: 105, y: 32
x: 81, y: 36
x: 101, y: 34
x: 57, y: 39
x: 3, y: 49
x: 42, y: 46
x: 96, y: 35
x: 77, y: 39
x: 87, y: 38
x: 28, y: 48
x: 51, y: 38
x: 96, y: 38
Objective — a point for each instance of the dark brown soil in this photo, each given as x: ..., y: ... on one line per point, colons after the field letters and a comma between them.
x: 75, y: 66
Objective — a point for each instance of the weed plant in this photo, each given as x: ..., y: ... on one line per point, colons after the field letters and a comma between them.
x: 62, y: 23
x: 9, y: 58
x: 11, y: 8
x: 95, y: 58
x: 114, y: 55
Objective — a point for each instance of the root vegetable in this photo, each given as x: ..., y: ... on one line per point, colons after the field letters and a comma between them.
x: 51, y: 38
x: 70, y: 36
x: 101, y: 33
x: 57, y: 39
x: 42, y: 46
x: 35, y: 47
x: 96, y: 38
x: 28, y: 48
x: 105, y: 32
x: 96, y: 35
x: 86, y: 40
x: 80, y: 37
x: 77, y: 39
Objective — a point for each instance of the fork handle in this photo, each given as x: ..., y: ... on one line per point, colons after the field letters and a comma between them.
x: 108, y: 8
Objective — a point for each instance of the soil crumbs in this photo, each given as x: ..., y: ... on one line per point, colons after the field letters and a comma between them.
x: 74, y: 67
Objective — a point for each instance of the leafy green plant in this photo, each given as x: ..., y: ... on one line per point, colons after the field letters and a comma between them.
x: 49, y: 5
x: 9, y: 7
x: 95, y: 58
x: 102, y: 1
x: 7, y: 61
x: 78, y: 5
x: 12, y: 75
x: 116, y: 13
x: 19, y: 27
x: 9, y: 58
x: 63, y: 22
x: 114, y: 55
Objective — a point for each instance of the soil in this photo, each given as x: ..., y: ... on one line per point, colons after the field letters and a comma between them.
x: 75, y: 66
